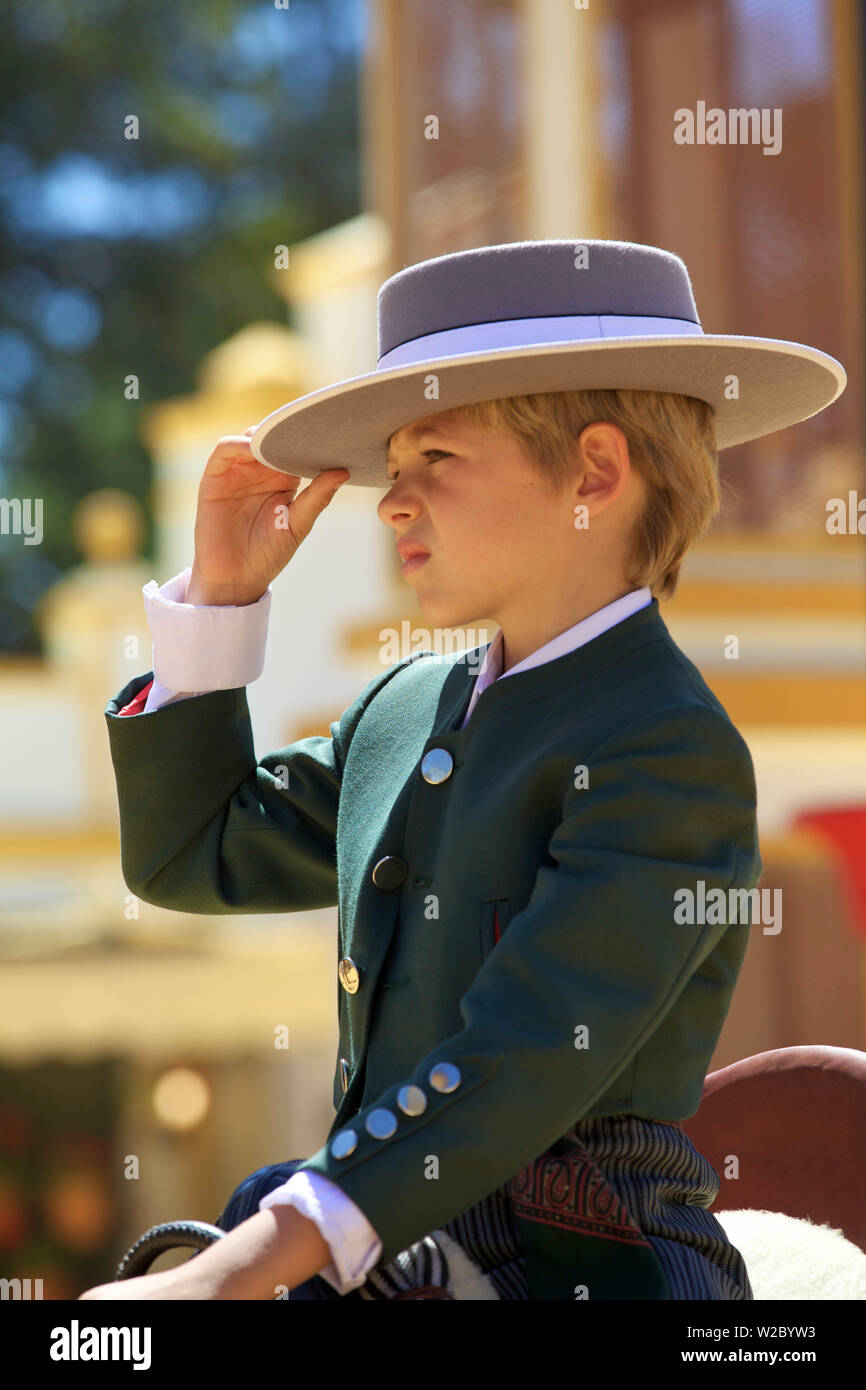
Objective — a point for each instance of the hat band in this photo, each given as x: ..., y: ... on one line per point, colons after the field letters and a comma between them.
x: 508, y: 333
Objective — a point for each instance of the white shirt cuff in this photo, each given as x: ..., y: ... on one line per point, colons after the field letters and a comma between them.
x: 354, y: 1245
x: 197, y: 647
x: 159, y: 695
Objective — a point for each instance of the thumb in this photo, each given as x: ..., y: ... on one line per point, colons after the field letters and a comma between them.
x: 310, y: 503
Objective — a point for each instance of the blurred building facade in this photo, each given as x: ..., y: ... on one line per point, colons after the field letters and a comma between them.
x: 483, y: 123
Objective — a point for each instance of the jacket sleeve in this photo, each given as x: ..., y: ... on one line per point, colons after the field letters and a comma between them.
x: 580, y: 979
x: 206, y: 827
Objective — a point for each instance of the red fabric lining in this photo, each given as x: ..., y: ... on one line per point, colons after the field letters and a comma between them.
x: 136, y: 705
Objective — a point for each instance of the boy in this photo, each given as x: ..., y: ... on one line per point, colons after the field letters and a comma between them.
x: 526, y: 1016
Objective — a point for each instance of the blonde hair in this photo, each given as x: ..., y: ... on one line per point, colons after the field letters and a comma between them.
x: 672, y: 445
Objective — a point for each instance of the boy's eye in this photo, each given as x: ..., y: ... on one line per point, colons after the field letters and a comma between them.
x: 427, y: 452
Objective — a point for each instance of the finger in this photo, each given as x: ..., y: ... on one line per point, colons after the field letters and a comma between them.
x: 233, y: 443
x: 234, y: 448
x: 230, y: 449
x: 331, y: 474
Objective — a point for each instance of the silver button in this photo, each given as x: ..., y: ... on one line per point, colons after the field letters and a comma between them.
x: 437, y: 766
x: 381, y: 1123
x: 344, y: 1143
x: 411, y: 1100
x: 444, y: 1077
x: 349, y: 975
x: 344, y: 1074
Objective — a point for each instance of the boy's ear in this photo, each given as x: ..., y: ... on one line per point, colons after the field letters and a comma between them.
x: 603, y: 460
x: 601, y: 442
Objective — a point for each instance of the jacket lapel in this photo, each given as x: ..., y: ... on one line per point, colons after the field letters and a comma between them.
x: 375, y: 827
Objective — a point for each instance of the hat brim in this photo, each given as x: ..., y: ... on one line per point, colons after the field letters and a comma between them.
x: 755, y: 386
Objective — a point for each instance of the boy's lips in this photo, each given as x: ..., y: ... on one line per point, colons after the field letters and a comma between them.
x: 407, y: 549
x: 412, y: 553
x: 414, y: 562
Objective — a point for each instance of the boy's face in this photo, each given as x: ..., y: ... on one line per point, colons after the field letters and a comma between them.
x: 500, y: 544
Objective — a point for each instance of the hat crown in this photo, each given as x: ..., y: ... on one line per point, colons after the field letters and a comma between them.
x: 529, y: 280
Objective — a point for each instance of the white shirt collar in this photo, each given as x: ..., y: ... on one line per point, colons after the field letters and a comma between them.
x: 564, y: 642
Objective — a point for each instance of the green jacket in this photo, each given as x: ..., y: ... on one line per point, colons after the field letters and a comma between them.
x: 595, y: 1000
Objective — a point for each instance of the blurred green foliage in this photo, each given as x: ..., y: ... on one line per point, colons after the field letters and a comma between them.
x: 122, y: 256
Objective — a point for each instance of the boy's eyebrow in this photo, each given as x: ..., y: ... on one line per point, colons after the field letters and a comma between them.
x: 425, y: 434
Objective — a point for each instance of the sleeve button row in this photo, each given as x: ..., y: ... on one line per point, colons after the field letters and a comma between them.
x: 381, y: 1122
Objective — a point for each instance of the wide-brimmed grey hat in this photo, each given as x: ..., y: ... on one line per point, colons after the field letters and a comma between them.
x: 532, y: 316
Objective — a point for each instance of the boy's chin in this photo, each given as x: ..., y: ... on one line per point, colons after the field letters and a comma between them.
x: 442, y: 613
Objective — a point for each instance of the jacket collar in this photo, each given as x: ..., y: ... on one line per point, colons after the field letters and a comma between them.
x: 524, y: 686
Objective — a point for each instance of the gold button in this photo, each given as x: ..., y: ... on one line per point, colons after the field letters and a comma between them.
x: 349, y: 975
x: 344, y: 1143
x: 344, y: 1074
x: 411, y: 1100
x: 381, y: 1123
x: 390, y: 872
x: 437, y: 766
x: 444, y: 1077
